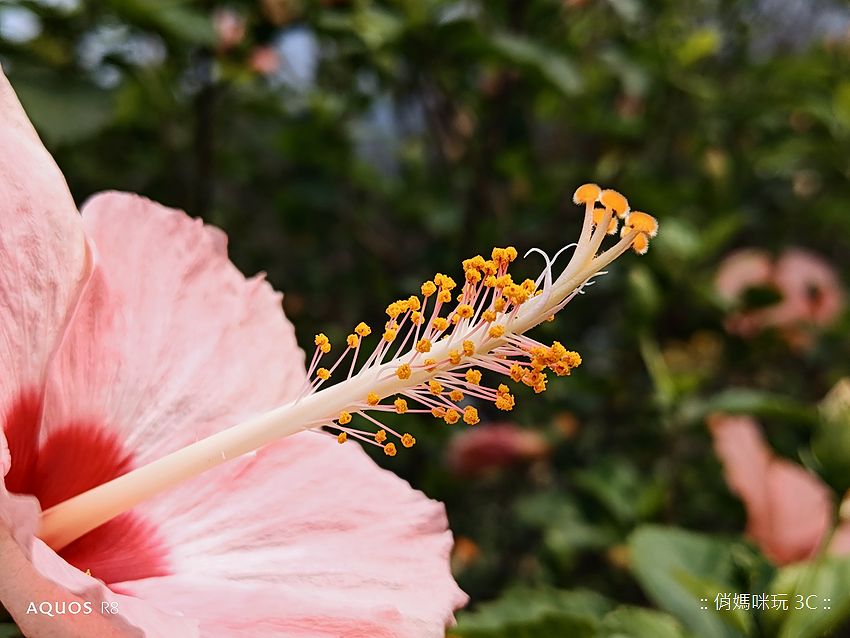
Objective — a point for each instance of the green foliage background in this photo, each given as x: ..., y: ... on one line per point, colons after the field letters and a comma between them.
x: 433, y: 130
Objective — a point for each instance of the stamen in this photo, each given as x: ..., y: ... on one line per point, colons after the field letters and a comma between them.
x: 484, y: 331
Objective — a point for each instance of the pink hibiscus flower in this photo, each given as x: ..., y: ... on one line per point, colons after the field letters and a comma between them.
x: 487, y: 448
x: 155, y: 403
x: 789, y: 509
x: 127, y: 334
x: 811, y: 294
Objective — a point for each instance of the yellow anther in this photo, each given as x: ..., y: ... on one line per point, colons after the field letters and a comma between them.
x: 490, y: 281
x: 400, y: 406
x: 643, y: 223
x: 459, y: 297
x: 504, y: 280
x: 389, y: 449
x: 465, y: 311
x: 394, y: 309
x: 381, y: 436
x: 452, y: 416
x: 475, y: 263
x: 447, y: 283
x: 470, y: 415
x: 456, y: 395
x: 489, y: 316
x: 505, y: 402
x: 438, y: 413
x: 540, y: 385
x: 423, y: 345
x: 323, y: 373
x: 430, y: 364
x: 539, y: 352
x: 352, y: 340
x: 454, y: 357
x: 552, y: 318
x: 416, y: 317
x: 641, y: 244
x: 403, y: 371
x: 490, y: 267
x: 372, y: 398
x: 473, y: 376
x: 428, y: 288
x: 444, y: 296
x: 511, y: 253
x: 342, y: 438
x: 598, y: 215
x: 363, y: 330
x: 613, y: 200
x: 496, y: 331
x: 529, y: 286
x: 344, y: 417
x: 413, y: 303
x: 468, y: 348
x: 323, y: 342
x: 503, y: 389
x: 517, y: 372
x: 472, y: 276
x: 572, y: 359
x: 586, y: 194
x: 389, y: 335
x: 499, y: 304
x: 440, y: 324
x: 407, y: 440
x: 556, y: 352
x: 435, y: 387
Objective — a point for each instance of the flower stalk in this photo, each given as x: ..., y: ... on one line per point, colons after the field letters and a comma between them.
x: 436, y: 366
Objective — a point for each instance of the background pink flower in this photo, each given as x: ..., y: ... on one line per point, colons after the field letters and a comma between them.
x: 811, y: 296
x: 128, y: 334
x: 478, y: 450
x: 789, y: 509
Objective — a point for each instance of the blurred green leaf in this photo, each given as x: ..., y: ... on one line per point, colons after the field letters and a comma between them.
x: 841, y: 103
x: 617, y: 485
x: 565, y: 529
x: 825, y: 584
x: 748, y: 401
x: 10, y: 630
x: 636, y: 622
x: 376, y: 27
x: 541, y: 612
x: 699, y: 44
x: 556, y: 68
x: 176, y: 18
x: 677, y: 568
x: 64, y: 111
x: 831, y: 441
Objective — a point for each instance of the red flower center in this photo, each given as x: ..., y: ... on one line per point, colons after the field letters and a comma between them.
x: 73, y: 459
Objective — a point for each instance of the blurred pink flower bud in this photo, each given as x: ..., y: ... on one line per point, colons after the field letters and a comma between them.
x: 479, y: 450
x: 264, y: 60
x: 230, y: 27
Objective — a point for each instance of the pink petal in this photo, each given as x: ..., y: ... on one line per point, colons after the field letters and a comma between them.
x: 801, y: 513
x: 170, y: 343
x: 789, y: 510
x: 308, y: 536
x: 32, y: 572
x: 811, y: 289
x: 741, y: 448
x: 45, y: 263
x: 747, y: 268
